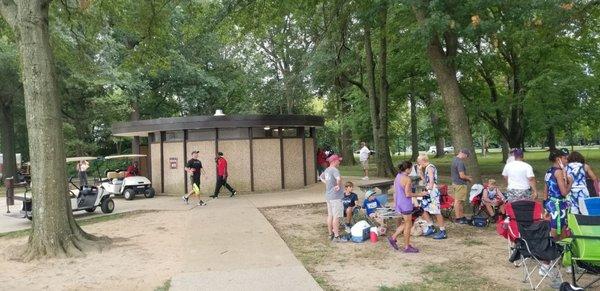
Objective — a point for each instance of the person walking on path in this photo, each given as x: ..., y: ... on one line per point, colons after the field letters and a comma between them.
x: 403, y: 201
x: 363, y: 157
x: 194, y: 169
x: 222, y: 175
x: 519, y: 178
x: 458, y: 171
x: 333, y: 197
x: 82, y: 167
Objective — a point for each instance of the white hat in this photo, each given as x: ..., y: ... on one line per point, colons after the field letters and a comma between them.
x: 369, y: 193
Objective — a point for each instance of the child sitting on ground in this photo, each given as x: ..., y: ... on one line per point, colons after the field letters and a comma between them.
x: 349, y: 202
x: 493, y: 197
x: 370, y: 205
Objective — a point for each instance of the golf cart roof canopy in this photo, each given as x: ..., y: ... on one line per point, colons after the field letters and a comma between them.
x: 132, y: 156
x: 77, y: 159
x: 143, y: 127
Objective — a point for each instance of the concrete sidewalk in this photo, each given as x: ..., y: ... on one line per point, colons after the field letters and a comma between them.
x: 230, y: 245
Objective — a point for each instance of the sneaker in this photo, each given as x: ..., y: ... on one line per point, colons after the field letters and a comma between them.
x: 462, y: 220
x: 347, y: 229
x: 201, y: 203
x: 214, y: 196
x: 410, y: 249
x: 340, y: 239
x: 331, y: 236
x: 569, y: 270
x: 233, y: 194
x: 393, y: 243
x: 185, y: 200
x: 440, y: 235
x: 429, y: 231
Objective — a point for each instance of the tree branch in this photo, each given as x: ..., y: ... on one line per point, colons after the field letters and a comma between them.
x: 8, y: 9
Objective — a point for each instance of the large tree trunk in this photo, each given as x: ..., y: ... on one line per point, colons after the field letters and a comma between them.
x: 371, y: 92
x: 346, y: 134
x: 505, y: 150
x: 386, y: 168
x: 414, y: 136
x: 460, y: 129
x: 551, y: 138
x: 54, y: 231
x: 435, y: 125
x: 7, y: 137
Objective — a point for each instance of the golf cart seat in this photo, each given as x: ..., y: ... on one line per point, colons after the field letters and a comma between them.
x: 115, y: 178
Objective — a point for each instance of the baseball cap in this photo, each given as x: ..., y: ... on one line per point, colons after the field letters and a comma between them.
x: 334, y: 157
x: 466, y: 151
x: 220, y: 154
x: 369, y: 193
x: 195, y: 152
x: 564, y: 151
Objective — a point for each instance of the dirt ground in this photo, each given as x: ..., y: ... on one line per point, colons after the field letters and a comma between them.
x: 470, y: 259
x: 144, y: 255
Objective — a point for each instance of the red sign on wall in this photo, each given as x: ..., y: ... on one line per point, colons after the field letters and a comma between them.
x: 173, y: 163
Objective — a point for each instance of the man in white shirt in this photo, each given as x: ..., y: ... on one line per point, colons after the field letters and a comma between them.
x: 363, y: 156
x: 520, y: 178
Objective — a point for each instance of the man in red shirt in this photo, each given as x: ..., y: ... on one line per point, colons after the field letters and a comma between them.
x: 222, y: 176
x: 132, y: 170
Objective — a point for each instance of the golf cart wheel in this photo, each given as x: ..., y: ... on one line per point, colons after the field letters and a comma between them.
x: 129, y: 194
x: 91, y: 209
x: 150, y: 193
x: 108, y: 205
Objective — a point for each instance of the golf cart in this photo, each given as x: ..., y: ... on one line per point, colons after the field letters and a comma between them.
x: 116, y: 183
x: 86, y: 198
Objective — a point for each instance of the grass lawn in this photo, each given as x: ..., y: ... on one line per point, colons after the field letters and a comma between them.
x: 491, y: 165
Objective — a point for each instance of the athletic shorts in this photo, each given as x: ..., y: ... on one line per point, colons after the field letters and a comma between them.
x: 335, y: 208
x: 365, y: 164
x: 431, y: 202
x: 459, y: 192
x: 195, y: 180
x: 517, y: 194
x: 558, y: 212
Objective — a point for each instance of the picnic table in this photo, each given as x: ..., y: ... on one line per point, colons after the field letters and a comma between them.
x: 383, y: 186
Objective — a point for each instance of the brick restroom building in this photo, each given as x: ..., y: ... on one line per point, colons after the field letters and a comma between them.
x: 264, y: 152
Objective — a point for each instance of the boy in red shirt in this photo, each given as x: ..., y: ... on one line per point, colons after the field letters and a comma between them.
x: 222, y: 177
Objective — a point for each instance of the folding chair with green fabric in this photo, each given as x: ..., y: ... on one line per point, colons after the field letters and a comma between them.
x: 583, y: 246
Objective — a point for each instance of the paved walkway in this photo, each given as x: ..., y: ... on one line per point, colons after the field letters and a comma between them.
x: 247, y: 255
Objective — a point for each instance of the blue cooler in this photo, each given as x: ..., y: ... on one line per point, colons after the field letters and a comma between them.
x: 360, y: 231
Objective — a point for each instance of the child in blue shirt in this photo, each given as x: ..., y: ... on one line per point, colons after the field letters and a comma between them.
x: 370, y: 205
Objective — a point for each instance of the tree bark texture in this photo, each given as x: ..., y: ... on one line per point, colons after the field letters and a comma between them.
x: 386, y: 167
x: 436, y: 126
x: 505, y: 150
x: 346, y: 133
x: 7, y: 137
x: 54, y: 231
x: 551, y: 138
x: 445, y: 73
x: 414, y: 136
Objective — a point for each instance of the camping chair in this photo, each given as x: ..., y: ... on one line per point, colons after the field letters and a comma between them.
x: 446, y: 201
x: 526, y: 212
x: 584, y: 245
x: 535, y: 246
